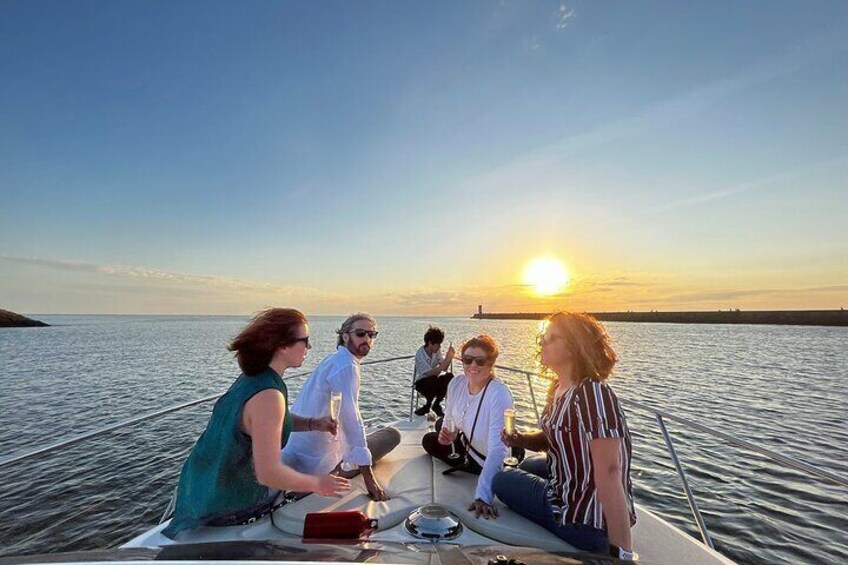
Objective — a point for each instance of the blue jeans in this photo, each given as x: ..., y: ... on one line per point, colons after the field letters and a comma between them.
x: 525, y: 489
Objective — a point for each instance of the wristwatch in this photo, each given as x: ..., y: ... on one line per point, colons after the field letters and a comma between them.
x: 620, y: 553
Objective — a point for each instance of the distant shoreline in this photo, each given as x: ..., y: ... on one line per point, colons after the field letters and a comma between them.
x: 14, y: 320
x: 833, y: 318
x: 771, y: 317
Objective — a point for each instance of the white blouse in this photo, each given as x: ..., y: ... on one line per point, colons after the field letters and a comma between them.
x: 462, y: 407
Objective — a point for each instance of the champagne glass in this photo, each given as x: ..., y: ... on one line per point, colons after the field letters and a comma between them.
x: 509, y: 428
x: 450, y: 427
x: 335, y: 409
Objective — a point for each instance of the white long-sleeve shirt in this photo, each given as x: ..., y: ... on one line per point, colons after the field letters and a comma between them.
x: 317, y: 453
x: 462, y: 406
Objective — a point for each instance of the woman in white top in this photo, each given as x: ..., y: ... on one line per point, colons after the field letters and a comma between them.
x: 475, y: 396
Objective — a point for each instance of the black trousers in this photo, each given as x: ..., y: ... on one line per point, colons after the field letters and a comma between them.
x: 431, y: 445
x: 435, y: 387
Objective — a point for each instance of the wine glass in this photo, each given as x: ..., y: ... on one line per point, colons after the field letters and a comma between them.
x: 335, y: 409
x: 509, y: 428
x: 450, y: 427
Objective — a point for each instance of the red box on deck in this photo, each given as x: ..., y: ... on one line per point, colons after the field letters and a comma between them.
x: 350, y: 524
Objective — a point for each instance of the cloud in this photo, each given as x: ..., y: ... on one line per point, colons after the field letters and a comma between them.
x: 534, y: 43
x: 466, y: 297
x: 527, y: 169
x: 564, y: 15
x: 786, y: 176
x: 670, y: 296
x: 504, y: 15
x: 831, y: 288
x: 516, y: 296
x: 588, y: 285
x: 433, y: 298
x: 52, y: 263
x: 119, y: 288
x: 156, y: 277
x: 626, y: 282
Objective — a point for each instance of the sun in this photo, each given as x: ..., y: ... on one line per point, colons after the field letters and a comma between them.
x: 546, y: 275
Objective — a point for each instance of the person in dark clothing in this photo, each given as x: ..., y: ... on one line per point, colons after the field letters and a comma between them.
x: 429, y: 366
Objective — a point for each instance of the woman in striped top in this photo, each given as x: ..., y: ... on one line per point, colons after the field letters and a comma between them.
x: 581, y: 489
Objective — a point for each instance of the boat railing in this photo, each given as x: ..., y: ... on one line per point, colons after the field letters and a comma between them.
x: 663, y: 415
x: 660, y: 415
x: 19, y: 457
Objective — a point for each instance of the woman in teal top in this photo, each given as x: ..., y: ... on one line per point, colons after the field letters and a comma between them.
x: 234, y: 471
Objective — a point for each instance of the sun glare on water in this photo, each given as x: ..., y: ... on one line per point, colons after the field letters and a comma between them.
x: 546, y: 275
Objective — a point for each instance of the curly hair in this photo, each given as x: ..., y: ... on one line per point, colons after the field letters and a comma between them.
x: 586, y: 340
x: 434, y: 335
x: 269, y: 330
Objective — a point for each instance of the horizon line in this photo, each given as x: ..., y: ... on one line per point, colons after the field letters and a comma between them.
x: 459, y: 316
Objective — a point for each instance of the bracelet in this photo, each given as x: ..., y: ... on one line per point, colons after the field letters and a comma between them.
x: 620, y: 553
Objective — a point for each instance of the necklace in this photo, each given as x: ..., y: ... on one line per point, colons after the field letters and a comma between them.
x: 471, y: 397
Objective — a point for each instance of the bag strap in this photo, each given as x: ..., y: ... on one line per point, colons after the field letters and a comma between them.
x: 468, y: 441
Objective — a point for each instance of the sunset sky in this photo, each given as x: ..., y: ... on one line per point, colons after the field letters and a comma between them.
x: 413, y: 158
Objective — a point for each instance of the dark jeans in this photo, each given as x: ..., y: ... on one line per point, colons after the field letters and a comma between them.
x: 524, y: 490
x: 434, y: 387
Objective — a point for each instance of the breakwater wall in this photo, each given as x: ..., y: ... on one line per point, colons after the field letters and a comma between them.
x: 774, y: 317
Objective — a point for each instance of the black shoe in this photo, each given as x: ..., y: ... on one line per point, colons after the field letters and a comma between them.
x: 437, y: 408
x: 423, y: 410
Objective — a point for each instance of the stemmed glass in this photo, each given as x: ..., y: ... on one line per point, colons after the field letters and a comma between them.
x: 509, y: 428
x: 335, y: 409
x: 450, y: 427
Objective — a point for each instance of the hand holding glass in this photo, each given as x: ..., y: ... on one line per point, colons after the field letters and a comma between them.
x: 335, y: 409
x: 450, y: 427
x: 509, y: 429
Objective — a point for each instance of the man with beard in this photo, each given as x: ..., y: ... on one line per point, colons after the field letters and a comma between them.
x: 351, y: 452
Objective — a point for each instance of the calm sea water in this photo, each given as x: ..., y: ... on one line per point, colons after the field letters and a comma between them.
x: 785, y: 388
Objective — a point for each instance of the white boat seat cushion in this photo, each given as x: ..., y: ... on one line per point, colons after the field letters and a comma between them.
x: 406, y: 474
x: 412, y: 478
x: 456, y: 491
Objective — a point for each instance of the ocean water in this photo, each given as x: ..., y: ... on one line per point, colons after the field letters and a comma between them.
x: 785, y: 388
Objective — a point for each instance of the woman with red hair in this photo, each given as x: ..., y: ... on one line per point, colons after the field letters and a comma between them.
x: 234, y: 473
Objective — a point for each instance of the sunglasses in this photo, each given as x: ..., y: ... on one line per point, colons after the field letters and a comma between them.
x: 545, y: 339
x: 305, y: 341
x: 468, y: 360
x: 362, y: 333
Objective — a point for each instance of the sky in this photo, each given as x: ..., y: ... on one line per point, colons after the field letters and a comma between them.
x: 412, y: 158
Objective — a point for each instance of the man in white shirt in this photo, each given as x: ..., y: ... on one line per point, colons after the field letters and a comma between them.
x: 429, y: 364
x: 351, y: 451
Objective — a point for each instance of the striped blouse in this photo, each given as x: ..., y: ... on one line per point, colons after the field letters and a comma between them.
x: 585, y: 412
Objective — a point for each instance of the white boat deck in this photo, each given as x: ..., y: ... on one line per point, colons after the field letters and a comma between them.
x: 413, y: 479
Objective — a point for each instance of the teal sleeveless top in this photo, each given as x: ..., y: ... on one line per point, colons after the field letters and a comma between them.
x: 218, y: 477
